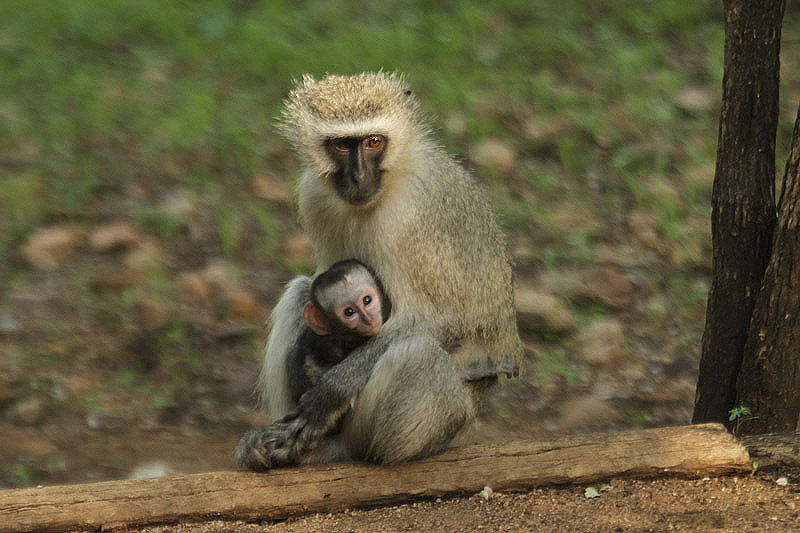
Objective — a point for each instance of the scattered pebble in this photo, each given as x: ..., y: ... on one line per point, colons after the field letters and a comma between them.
x: 486, y: 493
x: 150, y: 469
x: 48, y: 247
x: 497, y: 154
x: 112, y: 237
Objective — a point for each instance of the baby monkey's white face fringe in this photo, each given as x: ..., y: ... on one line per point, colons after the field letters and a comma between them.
x: 351, y: 106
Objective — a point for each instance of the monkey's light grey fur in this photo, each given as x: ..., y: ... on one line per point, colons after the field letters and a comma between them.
x: 429, y: 236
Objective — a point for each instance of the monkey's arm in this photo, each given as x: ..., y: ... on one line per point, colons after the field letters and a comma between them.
x: 287, y: 440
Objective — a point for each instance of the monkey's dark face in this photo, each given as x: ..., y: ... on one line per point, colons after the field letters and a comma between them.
x: 358, y: 166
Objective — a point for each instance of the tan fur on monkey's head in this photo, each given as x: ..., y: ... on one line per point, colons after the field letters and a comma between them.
x: 350, y: 106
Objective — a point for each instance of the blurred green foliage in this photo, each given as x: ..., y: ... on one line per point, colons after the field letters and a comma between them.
x: 96, y: 95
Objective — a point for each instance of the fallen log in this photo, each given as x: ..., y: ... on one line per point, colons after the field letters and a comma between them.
x: 773, y: 451
x: 690, y: 451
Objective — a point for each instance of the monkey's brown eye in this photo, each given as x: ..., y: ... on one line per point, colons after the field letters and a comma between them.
x: 341, y: 146
x: 374, y: 142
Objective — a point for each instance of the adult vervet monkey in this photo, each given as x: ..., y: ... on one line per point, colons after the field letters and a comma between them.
x: 375, y: 188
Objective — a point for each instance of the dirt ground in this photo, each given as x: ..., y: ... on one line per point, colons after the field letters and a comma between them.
x: 734, y: 503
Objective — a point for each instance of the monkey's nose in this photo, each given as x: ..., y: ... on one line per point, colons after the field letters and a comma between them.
x: 372, y: 328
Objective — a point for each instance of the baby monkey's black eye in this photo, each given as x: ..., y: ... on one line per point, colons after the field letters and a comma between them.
x: 349, y: 311
x: 367, y: 300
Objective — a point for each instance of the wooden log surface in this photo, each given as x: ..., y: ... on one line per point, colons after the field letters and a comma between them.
x: 686, y: 451
x: 773, y: 450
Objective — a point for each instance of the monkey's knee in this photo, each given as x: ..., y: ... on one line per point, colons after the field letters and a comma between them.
x: 412, y: 406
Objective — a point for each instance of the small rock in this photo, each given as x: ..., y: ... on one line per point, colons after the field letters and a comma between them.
x: 28, y: 411
x: 269, y: 188
x: 48, y: 247
x: 542, y: 312
x: 633, y: 372
x: 24, y: 442
x: 591, y: 492
x: 486, y: 493
x: 221, y: 276
x: 573, y: 219
x: 112, y: 237
x: 545, y: 132
x: 193, y: 284
x: 242, y: 303
x: 602, y: 343
x: 608, y: 285
x: 179, y: 204
x: 153, y: 315
x: 695, y: 100
x: 146, y: 257
x: 8, y: 325
x: 8, y: 389
x: 497, y: 154
x: 644, y: 228
x: 96, y: 420
x: 782, y: 481
x: 116, y: 279
x: 456, y: 125
x: 150, y: 469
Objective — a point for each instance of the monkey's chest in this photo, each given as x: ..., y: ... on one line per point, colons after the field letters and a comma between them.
x: 327, y: 354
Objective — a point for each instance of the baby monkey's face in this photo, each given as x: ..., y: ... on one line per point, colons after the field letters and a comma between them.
x: 359, y: 309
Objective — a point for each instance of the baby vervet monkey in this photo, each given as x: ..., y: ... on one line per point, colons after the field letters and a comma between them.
x: 346, y: 306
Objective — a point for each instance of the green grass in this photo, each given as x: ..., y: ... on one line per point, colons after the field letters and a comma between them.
x: 99, y: 94
x: 556, y: 364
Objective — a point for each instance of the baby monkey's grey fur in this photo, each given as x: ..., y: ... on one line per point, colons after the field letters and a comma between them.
x: 376, y: 188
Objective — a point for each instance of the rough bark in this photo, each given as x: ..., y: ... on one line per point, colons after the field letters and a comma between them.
x: 691, y: 451
x: 774, y: 451
x: 769, y: 380
x: 743, y: 199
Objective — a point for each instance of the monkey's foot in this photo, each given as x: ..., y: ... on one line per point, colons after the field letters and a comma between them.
x: 287, y: 441
x: 253, y: 450
x: 283, y: 443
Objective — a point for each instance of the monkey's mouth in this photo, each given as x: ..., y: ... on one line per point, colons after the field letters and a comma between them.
x: 370, y: 331
x: 358, y: 197
x: 358, y: 200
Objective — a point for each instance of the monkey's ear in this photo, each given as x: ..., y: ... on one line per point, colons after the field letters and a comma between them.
x: 316, y: 319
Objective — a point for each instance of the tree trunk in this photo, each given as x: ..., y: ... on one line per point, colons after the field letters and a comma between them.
x: 743, y: 200
x: 769, y: 381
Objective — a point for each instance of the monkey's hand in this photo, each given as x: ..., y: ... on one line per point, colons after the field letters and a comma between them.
x: 319, y: 411
x: 253, y: 450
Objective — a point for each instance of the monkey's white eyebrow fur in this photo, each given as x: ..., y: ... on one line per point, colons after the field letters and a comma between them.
x: 381, y: 124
